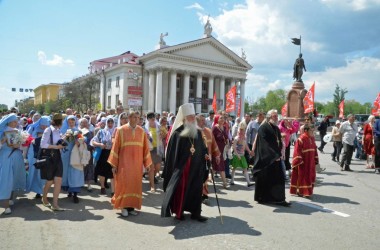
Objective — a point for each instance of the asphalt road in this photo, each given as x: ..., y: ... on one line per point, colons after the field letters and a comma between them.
x: 343, y: 214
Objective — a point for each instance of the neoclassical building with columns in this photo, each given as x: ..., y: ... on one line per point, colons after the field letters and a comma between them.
x: 166, y: 78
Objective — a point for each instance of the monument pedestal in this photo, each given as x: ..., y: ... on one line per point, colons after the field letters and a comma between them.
x: 295, y: 100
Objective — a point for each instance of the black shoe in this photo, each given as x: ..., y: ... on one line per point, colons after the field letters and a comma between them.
x: 321, y: 150
x: 76, y: 199
x: 333, y: 159
x: 112, y: 194
x: 348, y: 169
x: 155, y: 180
x: 284, y: 203
x: 250, y: 184
x: 38, y: 196
x: 106, y: 185
x: 199, y: 218
x: 181, y: 218
x: 70, y: 195
x: 228, y: 176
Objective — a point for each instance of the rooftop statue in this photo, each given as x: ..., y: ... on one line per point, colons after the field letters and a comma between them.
x: 207, y: 28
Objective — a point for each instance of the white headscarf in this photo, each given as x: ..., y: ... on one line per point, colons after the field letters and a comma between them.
x: 183, y: 111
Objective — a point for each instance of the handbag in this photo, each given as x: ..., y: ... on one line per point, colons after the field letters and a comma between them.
x: 44, y: 156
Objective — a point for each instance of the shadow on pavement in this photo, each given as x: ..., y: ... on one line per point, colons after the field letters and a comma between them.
x: 332, y: 199
x: 33, y: 210
x: 192, y: 229
x: 336, y: 184
x: 227, y: 203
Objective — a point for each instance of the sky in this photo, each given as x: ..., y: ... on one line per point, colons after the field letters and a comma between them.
x: 51, y: 41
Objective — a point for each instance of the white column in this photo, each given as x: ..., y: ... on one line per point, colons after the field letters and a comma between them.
x: 145, y: 91
x: 242, y: 98
x: 210, y: 90
x: 186, y: 88
x: 151, y: 91
x: 173, y: 92
x: 198, y: 107
x: 222, y: 94
x: 158, y: 106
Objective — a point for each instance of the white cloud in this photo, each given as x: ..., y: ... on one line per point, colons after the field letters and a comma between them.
x: 356, y: 5
x: 359, y: 76
x: 56, y: 61
x: 196, y: 6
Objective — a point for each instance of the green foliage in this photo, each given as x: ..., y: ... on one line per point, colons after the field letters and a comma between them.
x: 338, y: 95
x: 274, y: 99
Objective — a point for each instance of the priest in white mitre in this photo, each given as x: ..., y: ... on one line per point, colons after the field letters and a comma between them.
x: 185, y: 167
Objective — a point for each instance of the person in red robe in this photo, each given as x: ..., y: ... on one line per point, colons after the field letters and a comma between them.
x: 368, y: 142
x: 305, y: 159
x: 130, y: 152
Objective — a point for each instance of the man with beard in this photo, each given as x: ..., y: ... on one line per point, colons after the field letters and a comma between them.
x: 185, y: 167
x: 269, y: 177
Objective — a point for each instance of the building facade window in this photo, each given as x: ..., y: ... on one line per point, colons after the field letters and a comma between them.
x: 109, y: 83
x: 117, y: 100
x: 117, y: 83
x: 109, y: 102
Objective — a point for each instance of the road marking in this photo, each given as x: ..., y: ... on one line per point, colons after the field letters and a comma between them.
x: 323, y: 209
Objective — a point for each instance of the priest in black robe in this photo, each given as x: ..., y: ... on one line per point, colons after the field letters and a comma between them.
x: 185, y: 168
x: 267, y: 170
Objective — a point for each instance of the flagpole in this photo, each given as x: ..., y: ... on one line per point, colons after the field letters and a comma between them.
x: 300, y: 44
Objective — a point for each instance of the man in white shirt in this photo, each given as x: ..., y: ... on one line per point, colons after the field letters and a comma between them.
x: 348, y: 129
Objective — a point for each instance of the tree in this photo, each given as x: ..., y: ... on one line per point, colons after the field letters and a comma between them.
x: 339, y: 94
x: 82, y: 95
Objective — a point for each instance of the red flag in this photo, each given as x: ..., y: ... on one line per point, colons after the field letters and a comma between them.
x: 231, y: 100
x: 284, y: 110
x: 341, y: 109
x: 214, y: 103
x: 308, y: 100
x: 376, y: 106
x: 376, y: 103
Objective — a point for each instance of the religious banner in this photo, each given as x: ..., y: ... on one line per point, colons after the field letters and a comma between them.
x: 214, y: 103
x: 231, y: 100
x: 341, y: 109
x: 284, y: 110
x: 308, y: 100
x: 376, y: 106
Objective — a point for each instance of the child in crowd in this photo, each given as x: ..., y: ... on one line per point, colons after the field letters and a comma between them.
x: 238, y: 161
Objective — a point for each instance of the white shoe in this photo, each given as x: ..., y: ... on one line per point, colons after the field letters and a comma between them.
x: 133, y: 212
x: 11, y: 202
x: 7, y: 211
x: 124, y: 212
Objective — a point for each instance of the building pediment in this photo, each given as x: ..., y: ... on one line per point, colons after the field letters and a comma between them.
x: 206, y: 50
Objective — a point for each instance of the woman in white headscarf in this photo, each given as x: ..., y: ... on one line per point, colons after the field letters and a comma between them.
x: 103, y: 140
x: 12, y: 167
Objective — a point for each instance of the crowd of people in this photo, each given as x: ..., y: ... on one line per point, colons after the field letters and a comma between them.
x: 117, y: 149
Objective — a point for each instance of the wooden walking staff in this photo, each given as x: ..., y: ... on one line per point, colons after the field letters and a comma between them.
x: 216, y: 195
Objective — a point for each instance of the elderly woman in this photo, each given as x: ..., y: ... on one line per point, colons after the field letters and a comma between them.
x: 221, y: 139
x: 103, y: 140
x: 88, y: 170
x: 72, y: 178
x: 12, y: 167
x: 368, y: 142
x: 34, y: 182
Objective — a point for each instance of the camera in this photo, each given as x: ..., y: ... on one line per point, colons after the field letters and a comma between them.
x: 62, y: 142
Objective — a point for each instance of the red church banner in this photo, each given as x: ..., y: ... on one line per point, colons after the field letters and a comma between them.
x: 308, y: 101
x: 231, y: 100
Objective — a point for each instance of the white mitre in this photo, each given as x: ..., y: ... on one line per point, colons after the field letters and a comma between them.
x: 183, y: 111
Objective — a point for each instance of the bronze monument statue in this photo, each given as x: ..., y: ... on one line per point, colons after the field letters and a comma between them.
x: 299, y: 66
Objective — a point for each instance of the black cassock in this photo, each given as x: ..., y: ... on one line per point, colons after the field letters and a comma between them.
x: 269, y: 176
x: 184, y: 175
